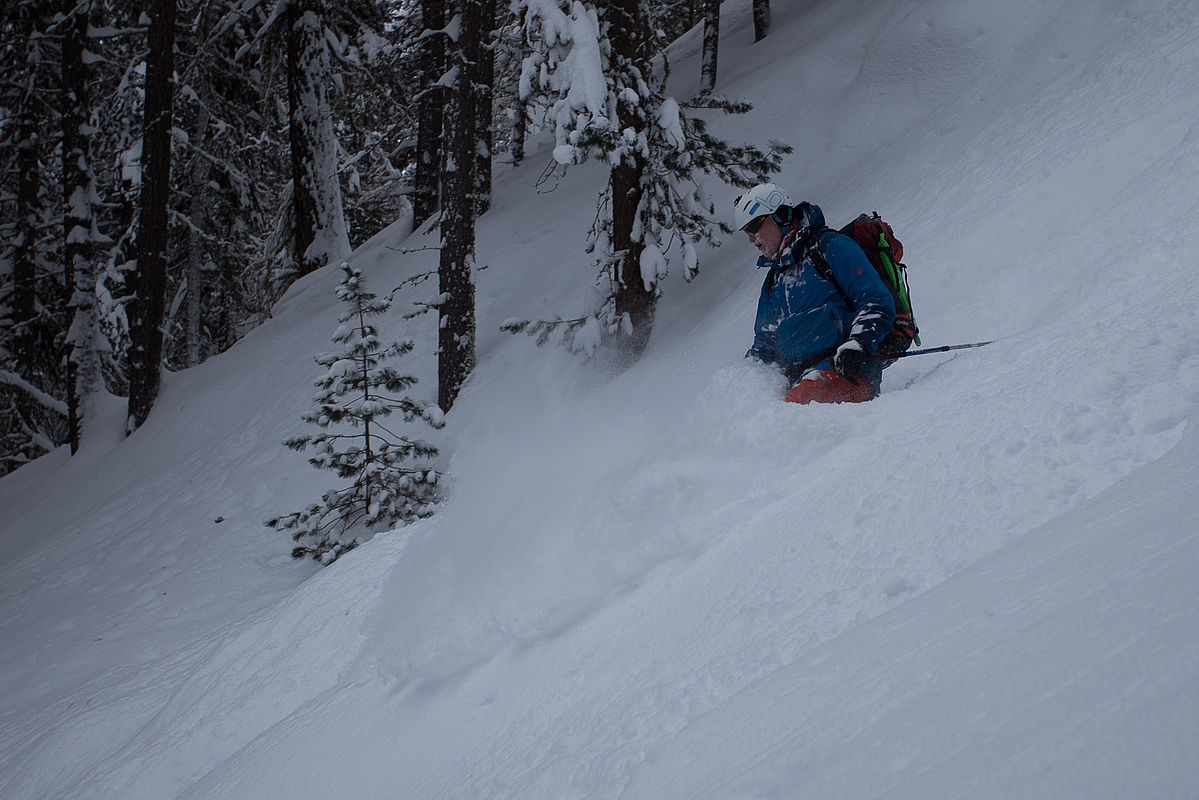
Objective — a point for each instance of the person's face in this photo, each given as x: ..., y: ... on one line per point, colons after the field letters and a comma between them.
x: 767, y: 237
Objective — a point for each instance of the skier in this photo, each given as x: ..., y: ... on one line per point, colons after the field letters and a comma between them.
x: 824, y: 335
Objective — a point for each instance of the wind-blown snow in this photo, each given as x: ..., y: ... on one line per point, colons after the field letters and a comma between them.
x: 664, y: 582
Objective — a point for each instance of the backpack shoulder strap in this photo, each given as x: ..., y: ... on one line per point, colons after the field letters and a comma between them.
x: 815, y: 254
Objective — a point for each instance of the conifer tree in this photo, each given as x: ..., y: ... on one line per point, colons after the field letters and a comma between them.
x: 761, y: 19
x: 484, y: 86
x: 320, y: 235
x: 599, y: 78
x: 25, y: 112
x: 33, y: 410
x: 79, y: 223
x: 513, y: 125
x: 357, y: 393
x: 190, y: 266
x: 228, y: 173
x: 708, y: 69
x: 456, y: 307
x: 430, y: 101
x: 150, y: 278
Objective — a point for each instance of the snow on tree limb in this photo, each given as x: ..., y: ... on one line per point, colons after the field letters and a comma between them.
x: 357, y: 391
x: 45, y: 400
x: 599, y: 81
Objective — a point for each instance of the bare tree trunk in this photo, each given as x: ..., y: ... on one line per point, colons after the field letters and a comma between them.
x: 149, y: 279
x: 456, y: 339
x: 431, y: 117
x: 761, y: 19
x: 711, y: 44
x: 484, y: 77
x: 630, y: 39
x: 320, y: 235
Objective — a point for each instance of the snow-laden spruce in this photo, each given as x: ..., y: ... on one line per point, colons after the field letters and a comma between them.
x: 357, y: 391
x: 598, y: 78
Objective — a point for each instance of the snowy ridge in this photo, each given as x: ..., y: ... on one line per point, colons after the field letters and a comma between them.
x: 662, y: 582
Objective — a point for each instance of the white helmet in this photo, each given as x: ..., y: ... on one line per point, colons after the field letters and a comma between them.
x: 761, y: 200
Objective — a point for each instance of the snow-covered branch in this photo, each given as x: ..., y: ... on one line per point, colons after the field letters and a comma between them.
x: 43, y: 399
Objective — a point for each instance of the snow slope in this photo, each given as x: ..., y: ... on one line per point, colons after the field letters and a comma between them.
x: 662, y: 582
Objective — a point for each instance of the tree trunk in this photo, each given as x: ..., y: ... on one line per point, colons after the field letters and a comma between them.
x: 78, y: 225
x: 711, y: 44
x: 520, y: 130
x: 197, y: 276
x: 761, y: 19
x: 484, y: 78
x: 520, y: 108
x: 431, y: 116
x: 28, y: 204
x: 149, y: 279
x: 195, y: 287
x: 630, y: 39
x: 320, y: 235
x: 456, y: 336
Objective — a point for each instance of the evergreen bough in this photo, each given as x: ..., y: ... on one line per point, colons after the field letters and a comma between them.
x: 576, y: 82
x: 357, y: 392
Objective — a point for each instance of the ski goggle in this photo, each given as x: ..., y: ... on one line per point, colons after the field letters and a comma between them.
x: 755, y: 224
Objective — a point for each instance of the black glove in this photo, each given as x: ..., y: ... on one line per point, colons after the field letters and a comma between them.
x: 850, y: 359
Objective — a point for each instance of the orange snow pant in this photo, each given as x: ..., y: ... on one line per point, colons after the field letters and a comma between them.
x: 830, y: 386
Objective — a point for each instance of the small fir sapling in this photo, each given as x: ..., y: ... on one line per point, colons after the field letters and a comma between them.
x: 357, y: 392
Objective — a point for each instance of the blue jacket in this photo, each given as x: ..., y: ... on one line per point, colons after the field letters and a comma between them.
x: 802, y: 317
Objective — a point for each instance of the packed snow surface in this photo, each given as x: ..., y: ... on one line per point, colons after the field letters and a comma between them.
x: 661, y: 581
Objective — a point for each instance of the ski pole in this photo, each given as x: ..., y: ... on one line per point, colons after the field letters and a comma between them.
x: 944, y: 349
x: 796, y: 372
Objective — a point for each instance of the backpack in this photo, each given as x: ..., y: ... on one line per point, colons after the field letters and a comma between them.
x: 885, y: 253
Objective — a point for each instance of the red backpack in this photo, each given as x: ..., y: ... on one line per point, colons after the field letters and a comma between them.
x: 885, y: 252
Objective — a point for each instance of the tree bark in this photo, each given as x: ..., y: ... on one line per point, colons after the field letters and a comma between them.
x: 319, y: 232
x: 484, y: 78
x: 711, y: 44
x: 197, y: 273
x: 149, y: 279
x: 28, y: 203
x: 456, y: 335
x: 520, y: 130
x: 629, y: 35
x: 303, y: 205
x: 78, y: 251
x: 431, y: 117
x: 761, y: 19
x: 196, y: 279
x: 520, y: 108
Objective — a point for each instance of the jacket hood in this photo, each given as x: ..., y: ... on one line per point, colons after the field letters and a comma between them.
x: 815, y: 215
x: 807, y: 217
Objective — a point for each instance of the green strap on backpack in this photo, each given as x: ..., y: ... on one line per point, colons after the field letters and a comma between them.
x: 896, y: 279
